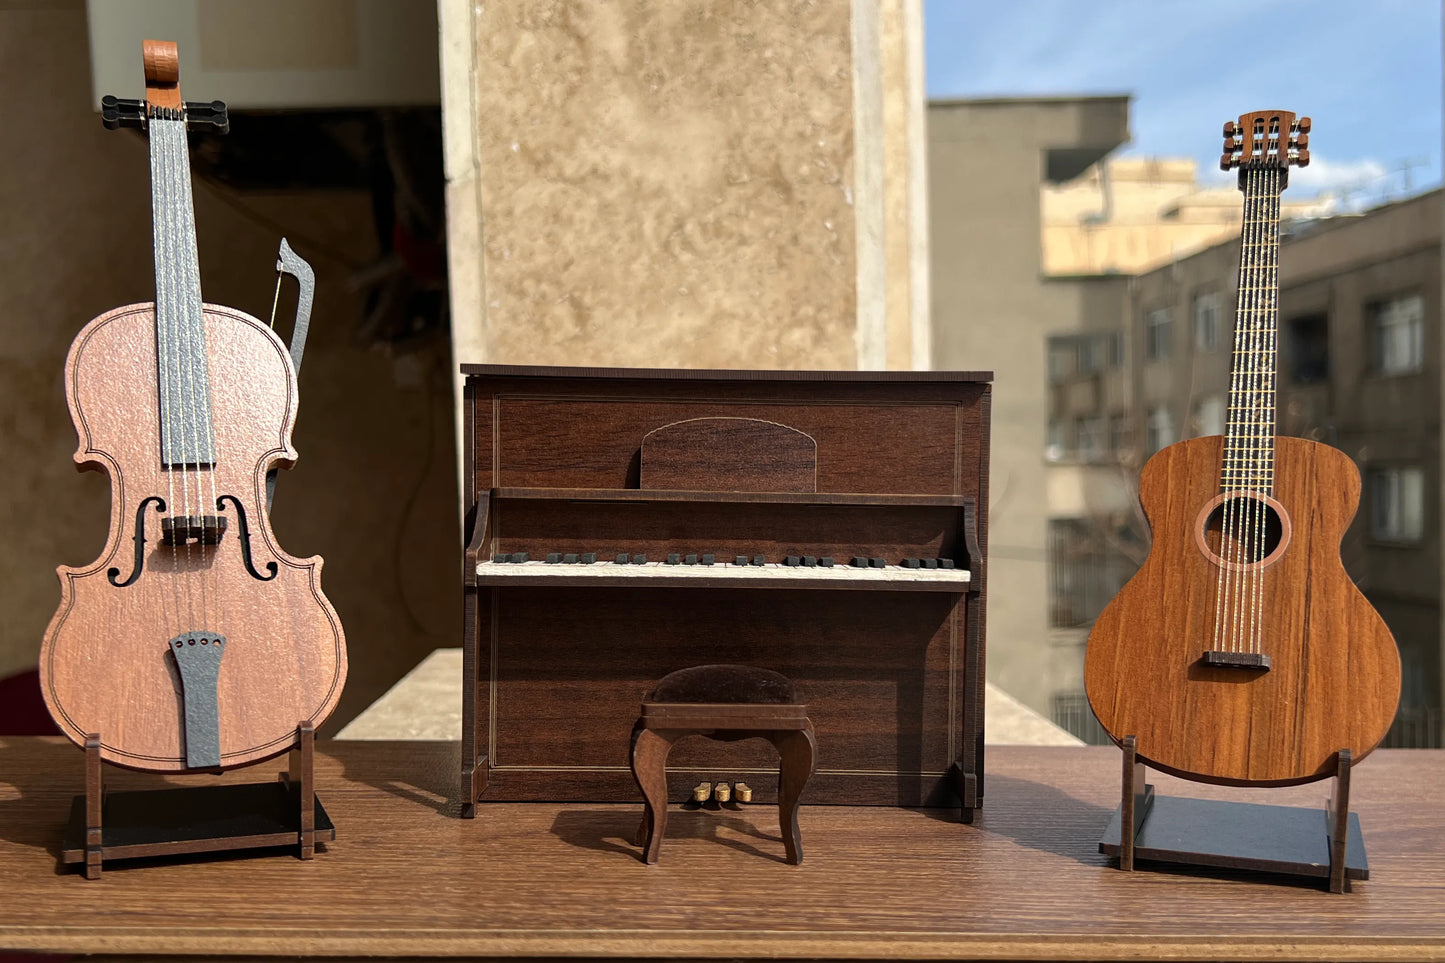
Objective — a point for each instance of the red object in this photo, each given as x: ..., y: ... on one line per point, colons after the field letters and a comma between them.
x: 22, y: 709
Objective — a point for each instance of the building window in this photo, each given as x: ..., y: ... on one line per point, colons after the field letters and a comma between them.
x: 1158, y: 337
x: 1088, y: 564
x: 1307, y: 348
x: 1397, y: 334
x: 1091, y: 438
x: 1054, y: 447
x: 1397, y: 504
x: 1207, y: 321
x: 1084, y: 354
x: 1160, y: 430
x: 1209, y: 416
x: 1062, y: 358
x: 1118, y: 433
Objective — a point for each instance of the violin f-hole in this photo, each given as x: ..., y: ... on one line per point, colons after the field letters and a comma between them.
x: 244, y: 537
x: 140, y: 542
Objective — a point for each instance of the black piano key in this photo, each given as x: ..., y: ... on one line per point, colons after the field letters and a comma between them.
x: 911, y: 563
x: 930, y: 563
x: 588, y: 558
x: 553, y: 558
x: 708, y: 559
x: 740, y: 560
x: 623, y: 558
x: 945, y: 563
x: 570, y: 558
x: 792, y: 560
x: 810, y: 560
x: 501, y: 557
x: 689, y: 560
x: 760, y: 560
x: 826, y: 561
x: 878, y: 563
x: 859, y: 561
x: 639, y: 560
x: 674, y: 559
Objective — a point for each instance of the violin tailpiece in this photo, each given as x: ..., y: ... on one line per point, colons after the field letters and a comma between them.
x: 198, y: 656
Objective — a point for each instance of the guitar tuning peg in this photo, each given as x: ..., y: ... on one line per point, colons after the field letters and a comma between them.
x: 1229, y: 128
x: 1303, y: 125
x: 1226, y: 161
x: 1302, y: 140
x: 1303, y: 160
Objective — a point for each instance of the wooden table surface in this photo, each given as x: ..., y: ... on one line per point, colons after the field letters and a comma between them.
x: 405, y: 877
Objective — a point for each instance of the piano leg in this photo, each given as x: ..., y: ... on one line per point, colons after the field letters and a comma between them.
x: 649, y: 767
x: 797, y: 749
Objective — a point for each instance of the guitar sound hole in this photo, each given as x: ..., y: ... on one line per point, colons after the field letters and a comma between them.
x: 1243, y: 530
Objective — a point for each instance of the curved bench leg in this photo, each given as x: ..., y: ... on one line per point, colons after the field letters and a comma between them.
x: 797, y: 748
x: 649, y: 768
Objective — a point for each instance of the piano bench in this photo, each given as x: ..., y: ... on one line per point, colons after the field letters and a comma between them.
x: 726, y: 703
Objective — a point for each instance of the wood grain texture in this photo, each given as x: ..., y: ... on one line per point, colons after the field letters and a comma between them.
x: 104, y: 662
x: 162, y: 60
x: 557, y: 466
x: 730, y: 454
x: 1335, y: 676
x: 1024, y: 882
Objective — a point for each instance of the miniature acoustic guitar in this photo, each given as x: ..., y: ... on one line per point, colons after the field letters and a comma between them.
x: 1241, y: 652
x: 194, y: 641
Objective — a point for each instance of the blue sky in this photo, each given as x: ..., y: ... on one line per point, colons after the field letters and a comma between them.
x: 1368, y: 72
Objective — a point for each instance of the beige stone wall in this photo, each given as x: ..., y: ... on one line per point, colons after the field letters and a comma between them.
x: 683, y: 184
x: 373, y: 491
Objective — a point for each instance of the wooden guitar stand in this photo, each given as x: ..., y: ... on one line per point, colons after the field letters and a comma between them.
x: 202, y: 819
x: 1270, y: 839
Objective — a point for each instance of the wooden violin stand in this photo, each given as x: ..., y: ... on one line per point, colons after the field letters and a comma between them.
x: 1285, y: 840
x: 200, y: 819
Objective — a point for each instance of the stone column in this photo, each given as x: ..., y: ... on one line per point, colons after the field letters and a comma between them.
x: 686, y: 184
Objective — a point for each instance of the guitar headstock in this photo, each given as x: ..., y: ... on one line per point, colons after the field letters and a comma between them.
x: 1266, y: 139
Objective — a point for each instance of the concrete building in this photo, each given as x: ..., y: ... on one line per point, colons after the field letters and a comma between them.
x: 994, y: 308
x: 1359, y: 369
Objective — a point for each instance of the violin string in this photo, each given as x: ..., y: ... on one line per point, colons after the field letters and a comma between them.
x: 165, y: 343
x: 164, y: 129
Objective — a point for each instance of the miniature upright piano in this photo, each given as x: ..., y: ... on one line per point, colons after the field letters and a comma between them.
x: 626, y: 523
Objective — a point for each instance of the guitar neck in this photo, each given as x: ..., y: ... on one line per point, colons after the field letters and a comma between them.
x: 1250, y: 427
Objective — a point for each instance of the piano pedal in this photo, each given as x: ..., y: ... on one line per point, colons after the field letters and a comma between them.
x: 702, y: 792
x: 742, y: 792
x: 722, y: 792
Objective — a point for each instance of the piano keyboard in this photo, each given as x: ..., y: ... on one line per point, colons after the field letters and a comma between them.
x: 740, y: 571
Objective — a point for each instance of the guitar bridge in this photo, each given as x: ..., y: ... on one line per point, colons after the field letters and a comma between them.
x: 1236, y: 660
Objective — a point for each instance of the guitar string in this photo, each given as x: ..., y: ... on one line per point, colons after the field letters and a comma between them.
x: 1269, y: 373
x: 1221, y: 599
x: 1253, y: 530
x: 1240, y: 481
x: 1235, y: 441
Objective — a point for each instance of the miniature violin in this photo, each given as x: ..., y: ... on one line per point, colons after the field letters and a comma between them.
x: 193, y: 641
x: 1242, y: 653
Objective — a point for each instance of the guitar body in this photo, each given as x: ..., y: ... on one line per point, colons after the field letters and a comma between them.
x: 1334, y: 676
x: 105, y: 664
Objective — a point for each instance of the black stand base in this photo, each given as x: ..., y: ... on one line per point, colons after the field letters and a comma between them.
x: 1286, y: 840
x: 206, y: 819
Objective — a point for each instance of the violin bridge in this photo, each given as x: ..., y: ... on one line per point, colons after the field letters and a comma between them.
x: 182, y: 529
x: 1217, y: 659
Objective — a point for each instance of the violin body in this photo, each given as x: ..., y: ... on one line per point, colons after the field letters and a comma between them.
x: 1334, y: 676
x: 106, y: 666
